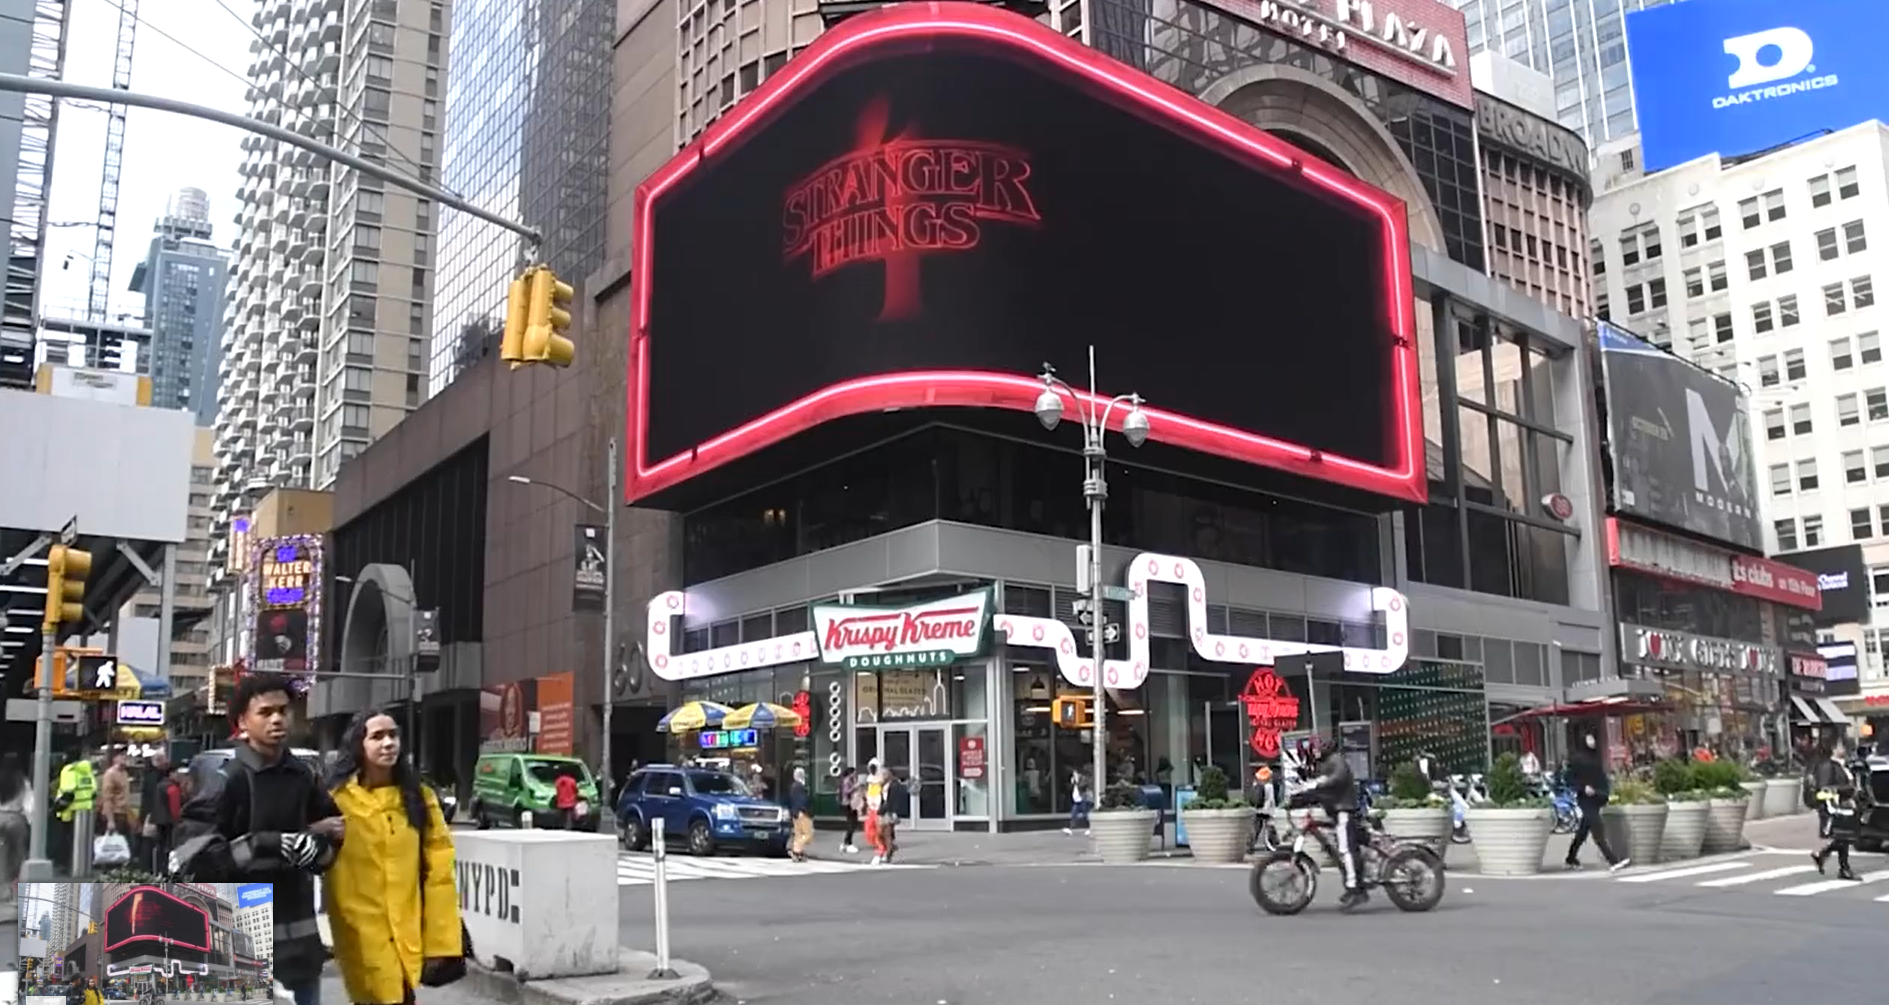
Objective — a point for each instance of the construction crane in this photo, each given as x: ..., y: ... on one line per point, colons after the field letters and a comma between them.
x: 107, y: 227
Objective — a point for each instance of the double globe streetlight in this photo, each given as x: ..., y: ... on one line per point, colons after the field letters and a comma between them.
x: 1094, y: 416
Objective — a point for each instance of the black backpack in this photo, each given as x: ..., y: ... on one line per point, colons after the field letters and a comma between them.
x: 1810, y: 788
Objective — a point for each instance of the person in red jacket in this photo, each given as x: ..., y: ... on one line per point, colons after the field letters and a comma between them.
x: 566, y: 801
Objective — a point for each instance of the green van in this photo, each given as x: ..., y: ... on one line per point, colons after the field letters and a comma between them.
x: 521, y: 790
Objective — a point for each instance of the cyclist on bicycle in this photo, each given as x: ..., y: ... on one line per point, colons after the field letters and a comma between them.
x: 1335, y: 790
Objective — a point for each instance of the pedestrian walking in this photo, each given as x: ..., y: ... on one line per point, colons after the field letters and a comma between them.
x: 800, y: 808
x: 150, y: 780
x: 262, y: 816
x: 1588, y: 776
x: 1080, y: 796
x: 563, y: 800
x: 874, y: 798
x: 114, y: 798
x: 16, y: 801
x: 853, y: 803
x: 894, y: 806
x: 392, y: 904
x: 1835, y: 795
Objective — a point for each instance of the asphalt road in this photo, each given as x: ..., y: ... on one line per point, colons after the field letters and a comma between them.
x: 1183, y: 934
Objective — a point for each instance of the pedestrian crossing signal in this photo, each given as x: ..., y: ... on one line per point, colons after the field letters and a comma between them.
x: 1071, y: 713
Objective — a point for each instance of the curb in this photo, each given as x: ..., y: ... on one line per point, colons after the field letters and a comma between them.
x: 630, y: 985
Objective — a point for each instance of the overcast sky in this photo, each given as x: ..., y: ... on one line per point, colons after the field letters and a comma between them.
x: 163, y: 152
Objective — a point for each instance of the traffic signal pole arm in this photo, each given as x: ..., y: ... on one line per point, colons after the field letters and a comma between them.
x: 63, y: 89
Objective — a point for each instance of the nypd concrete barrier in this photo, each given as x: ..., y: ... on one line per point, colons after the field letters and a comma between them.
x: 534, y: 903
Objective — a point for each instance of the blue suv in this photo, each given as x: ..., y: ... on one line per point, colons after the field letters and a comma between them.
x: 712, y: 809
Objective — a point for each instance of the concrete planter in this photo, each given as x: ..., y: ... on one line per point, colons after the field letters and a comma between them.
x: 1782, y: 797
x: 1122, y: 835
x: 1636, y: 831
x: 1510, y: 842
x: 1755, y: 806
x: 1218, y: 835
x: 1725, y: 825
x: 1425, y: 824
x: 1684, y: 834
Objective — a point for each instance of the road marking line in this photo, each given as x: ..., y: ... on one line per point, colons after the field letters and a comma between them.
x: 1697, y: 870
x: 1812, y: 889
x: 1754, y: 877
x: 1882, y: 900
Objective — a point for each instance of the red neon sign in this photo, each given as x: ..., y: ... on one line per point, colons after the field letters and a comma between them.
x: 149, y: 913
x: 897, y: 30
x: 1270, y: 710
x: 803, y: 707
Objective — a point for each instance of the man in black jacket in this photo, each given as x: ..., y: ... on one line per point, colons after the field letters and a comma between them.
x: 1836, y: 809
x: 1336, y: 791
x: 155, y: 811
x: 1588, y: 777
x: 276, y: 824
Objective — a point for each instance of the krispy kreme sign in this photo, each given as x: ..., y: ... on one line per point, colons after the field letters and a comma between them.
x: 936, y: 633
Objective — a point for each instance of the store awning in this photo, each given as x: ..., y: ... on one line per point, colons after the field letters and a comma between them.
x: 1806, y: 712
x: 1831, y: 713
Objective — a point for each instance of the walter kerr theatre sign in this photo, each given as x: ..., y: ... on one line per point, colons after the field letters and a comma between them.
x: 932, y: 634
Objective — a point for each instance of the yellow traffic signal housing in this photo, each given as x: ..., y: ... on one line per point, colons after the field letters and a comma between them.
x: 1071, y: 713
x: 66, y: 569
x: 517, y: 310
x: 545, y: 340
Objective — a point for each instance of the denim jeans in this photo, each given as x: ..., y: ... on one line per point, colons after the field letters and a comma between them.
x: 306, y: 994
x: 1079, y: 814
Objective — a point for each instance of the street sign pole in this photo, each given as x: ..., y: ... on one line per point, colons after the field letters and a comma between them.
x: 38, y: 868
x: 610, y: 503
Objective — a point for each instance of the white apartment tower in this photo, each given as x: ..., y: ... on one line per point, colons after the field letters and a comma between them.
x: 328, y: 316
x: 1765, y: 271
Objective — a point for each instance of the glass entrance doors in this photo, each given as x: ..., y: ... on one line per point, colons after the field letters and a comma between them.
x: 920, y: 755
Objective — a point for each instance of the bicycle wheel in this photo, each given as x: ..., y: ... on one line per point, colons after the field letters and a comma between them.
x: 1412, y: 876
x: 1284, y: 883
x: 1565, y: 820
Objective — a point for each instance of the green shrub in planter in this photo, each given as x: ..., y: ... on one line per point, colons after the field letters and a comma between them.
x: 1634, y: 792
x: 1120, y: 796
x: 1720, y: 779
x: 1211, y: 792
x: 1409, y: 790
x: 1509, y: 787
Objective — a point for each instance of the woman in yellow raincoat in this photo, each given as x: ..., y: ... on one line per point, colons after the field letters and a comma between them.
x: 391, y: 900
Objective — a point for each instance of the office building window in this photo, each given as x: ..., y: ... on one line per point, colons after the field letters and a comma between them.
x: 1786, y: 530
x: 1849, y: 413
x: 1854, y: 470
x: 1813, y: 531
x: 1807, y: 475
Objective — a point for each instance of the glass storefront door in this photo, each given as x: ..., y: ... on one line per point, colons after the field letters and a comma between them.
x: 920, y: 755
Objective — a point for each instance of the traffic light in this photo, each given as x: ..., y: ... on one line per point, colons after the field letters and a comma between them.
x: 511, y: 348
x: 66, y: 569
x: 549, y: 320
x: 1071, y: 713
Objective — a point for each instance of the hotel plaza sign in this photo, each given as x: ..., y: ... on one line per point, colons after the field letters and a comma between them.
x: 938, y: 627
x: 1333, y: 24
x: 934, y: 634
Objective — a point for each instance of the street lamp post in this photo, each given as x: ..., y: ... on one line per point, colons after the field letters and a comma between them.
x: 609, y: 511
x: 1094, y: 415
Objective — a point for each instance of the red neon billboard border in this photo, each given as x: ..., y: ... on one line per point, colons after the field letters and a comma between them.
x: 166, y: 893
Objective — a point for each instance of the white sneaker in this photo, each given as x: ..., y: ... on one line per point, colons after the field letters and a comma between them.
x: 878, y: 859
x: 1622, y: 864
x: 1067, y: 831
x: 850, y: 849
x: 1088, y: 833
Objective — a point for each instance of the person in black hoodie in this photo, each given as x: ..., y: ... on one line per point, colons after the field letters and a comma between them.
x: 263, y: 816
x: 1836, y: 809
x: 1588, y: 777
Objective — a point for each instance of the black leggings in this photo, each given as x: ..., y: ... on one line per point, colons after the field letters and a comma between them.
x: 1591, y: 825
x: 1826, y: 828
x: 852, y: 827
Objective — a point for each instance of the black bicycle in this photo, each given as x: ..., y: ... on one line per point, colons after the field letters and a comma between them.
x: 1409, y: 872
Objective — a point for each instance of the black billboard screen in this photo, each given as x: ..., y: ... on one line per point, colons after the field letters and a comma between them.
x: 1842, y: 577
x: 933, y: 201
x: 1680, y: 443
x: 147, y: 912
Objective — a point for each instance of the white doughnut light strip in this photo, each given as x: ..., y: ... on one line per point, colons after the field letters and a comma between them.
x: 1048, y: 633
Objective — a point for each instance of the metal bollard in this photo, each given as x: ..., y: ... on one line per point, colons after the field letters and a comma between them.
x: 83, y: 827
x: 659, y: 850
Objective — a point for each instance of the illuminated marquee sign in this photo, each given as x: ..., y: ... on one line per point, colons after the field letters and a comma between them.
x: 1271, y: 709
x: 140, y: 713
x: 803, y: 707
x: 1077, y: 666
x: 286, y: 577
x: 932, y: 634
x: 285, y: 618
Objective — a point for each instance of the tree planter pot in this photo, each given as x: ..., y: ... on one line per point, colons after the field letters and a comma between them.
x: 1510, y: 842
x: 1685, y: 830
x: 1755, y: 808
x: 1782, y: 797
x: 1122, y: 835
x: 1636, y: 831
x: 1425, y: 824
x: 1218, y: 835
x: 1725, y: 825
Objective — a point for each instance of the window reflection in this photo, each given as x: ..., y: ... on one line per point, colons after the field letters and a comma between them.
x: 1656, y: 603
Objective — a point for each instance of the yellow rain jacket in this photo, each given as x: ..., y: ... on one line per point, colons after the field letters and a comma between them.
x: 373, y: 895
x: 78, y: 779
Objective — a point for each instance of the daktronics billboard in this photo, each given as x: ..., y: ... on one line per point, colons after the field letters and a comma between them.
x: 1679, y: 441
x: 890, y: 223
x: 1738, y: 76
x: 149, y: 913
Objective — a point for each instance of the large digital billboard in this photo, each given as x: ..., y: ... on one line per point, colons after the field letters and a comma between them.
x: 147, y: 913
x: 1738, y: 76
x: 1843, y: 577
x: 935, y: 199
x: 1679, y: 441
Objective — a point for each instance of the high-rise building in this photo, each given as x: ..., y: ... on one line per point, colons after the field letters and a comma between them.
x: 258, y: 922
x: 191, y: 602
x: 328, y: 319
x: 184, y: 278
x: 1582, y: 44
x: 527, y: 136
x: 32, y: 43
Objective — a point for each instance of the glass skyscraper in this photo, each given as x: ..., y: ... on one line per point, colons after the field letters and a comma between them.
x: 528, y: 137
x: 184, y: 278
x: 1582, y: 44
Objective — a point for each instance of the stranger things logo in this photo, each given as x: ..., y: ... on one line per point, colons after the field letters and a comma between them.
x: 895, y: 199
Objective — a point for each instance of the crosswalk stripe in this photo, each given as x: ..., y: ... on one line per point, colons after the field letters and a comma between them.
x: 1882, y: 900
x: 1756, y: 877
x: 1697, y: 870
x: 640, y: 870
x: 1812, y: 889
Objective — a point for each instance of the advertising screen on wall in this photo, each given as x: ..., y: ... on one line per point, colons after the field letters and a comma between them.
x: 1737, y: 76
x: 147, y: 913
x: 892, y: 225
x: 1843, y: 577
x: 1679, y: 441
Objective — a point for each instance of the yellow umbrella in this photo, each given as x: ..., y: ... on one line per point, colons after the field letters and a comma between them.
x: 761, y: 715
x: 691, y: 716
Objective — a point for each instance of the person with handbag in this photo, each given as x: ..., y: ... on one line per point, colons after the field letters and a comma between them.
x: 1836, y: 810
x: 392, y: 903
